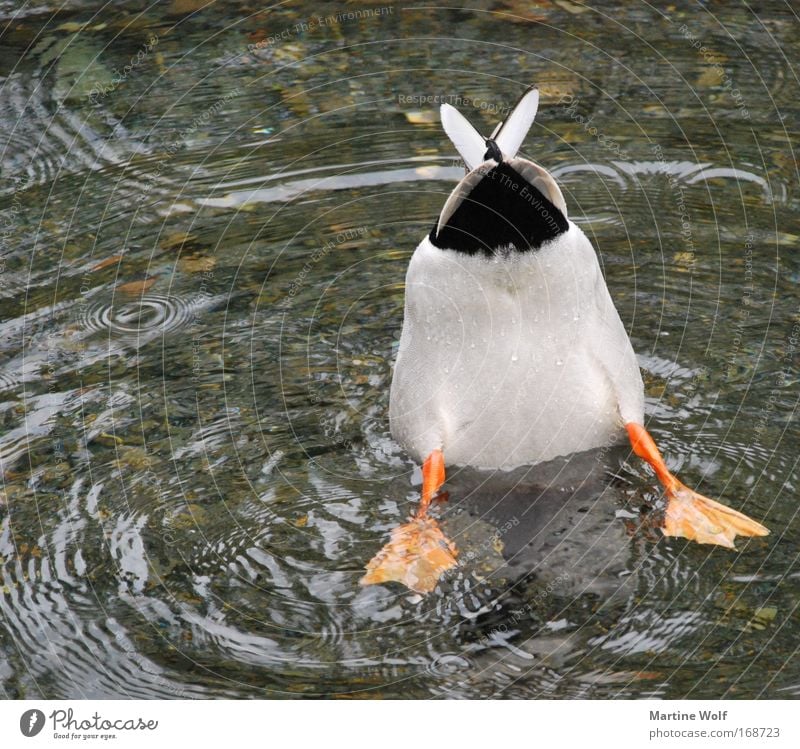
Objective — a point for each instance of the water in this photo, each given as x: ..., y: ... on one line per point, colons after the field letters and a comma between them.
x: 201, y: 298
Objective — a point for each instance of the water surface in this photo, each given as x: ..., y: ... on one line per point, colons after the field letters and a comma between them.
x: 207, y: 213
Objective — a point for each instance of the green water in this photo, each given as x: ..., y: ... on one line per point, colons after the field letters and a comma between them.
x: 197, y: 468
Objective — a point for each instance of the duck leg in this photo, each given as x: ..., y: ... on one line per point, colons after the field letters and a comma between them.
x: 417, y: 553
x: 688, y: 513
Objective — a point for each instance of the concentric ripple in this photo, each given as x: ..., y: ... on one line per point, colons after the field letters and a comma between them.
x: 140, y: 319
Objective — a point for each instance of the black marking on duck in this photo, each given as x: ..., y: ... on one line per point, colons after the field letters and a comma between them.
x: 503, y: 211
x: 492, y: 151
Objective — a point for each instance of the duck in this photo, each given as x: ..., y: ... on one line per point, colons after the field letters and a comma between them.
x: 512, y: 351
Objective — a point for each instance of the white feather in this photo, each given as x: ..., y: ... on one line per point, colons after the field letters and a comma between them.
x: 513, y: 131
x: 469, y: 142
x: 514, y: 360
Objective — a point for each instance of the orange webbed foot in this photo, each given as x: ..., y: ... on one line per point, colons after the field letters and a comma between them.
x: 689, y: 514
x: 698, y: 518
x: 418, y: 553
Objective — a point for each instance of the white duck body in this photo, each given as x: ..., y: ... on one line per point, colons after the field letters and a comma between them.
x: 512, y: 359
x: 512, y: 352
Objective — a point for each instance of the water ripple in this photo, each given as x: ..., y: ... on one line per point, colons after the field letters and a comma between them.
x: 136, y: 321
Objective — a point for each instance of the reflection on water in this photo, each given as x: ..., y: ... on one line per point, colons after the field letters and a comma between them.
x: 203, y: 259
